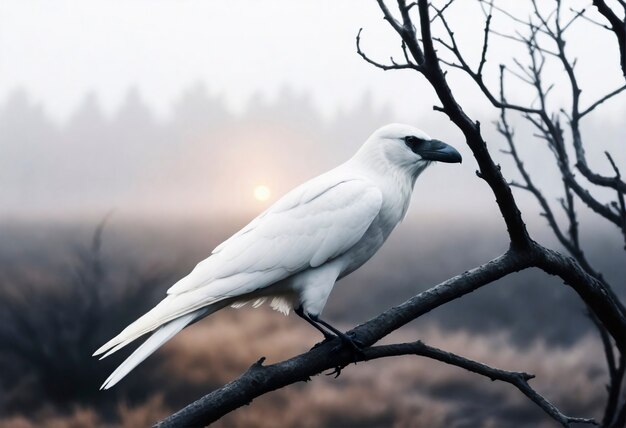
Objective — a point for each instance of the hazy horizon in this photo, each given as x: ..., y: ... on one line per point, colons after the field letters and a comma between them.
x: 180, y: 121
x: 181, y: 166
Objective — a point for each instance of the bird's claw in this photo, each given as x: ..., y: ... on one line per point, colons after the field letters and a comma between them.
x: 354, y: 345
x: 347, y: 341
x: 336, y: 371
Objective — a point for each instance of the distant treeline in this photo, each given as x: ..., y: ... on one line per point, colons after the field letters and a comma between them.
x: 95, y: 160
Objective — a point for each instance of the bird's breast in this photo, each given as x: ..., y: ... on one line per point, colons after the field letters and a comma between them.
x: 396, y: 198
x: 370, y: 243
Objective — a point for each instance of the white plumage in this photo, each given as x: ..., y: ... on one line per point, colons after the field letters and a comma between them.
x: 294, y: 252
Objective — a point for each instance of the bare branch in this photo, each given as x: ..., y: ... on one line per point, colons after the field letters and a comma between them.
x: 406, y: 30
x: 520, y: 39
x: 260, y: 379
x: 393, y: 66
x: 551, y: 131
x: 517, y: 379
x: 440, y: 11
x: 453, y: 47
x: 577, y: 14
x: 483, y: 55
x: 601, y: 100
x: 508, y: 14
x: 618, y: 26
x: 616, y: 374
x: 505, y: 130
x: 389, y: 17
x: 593, y: 21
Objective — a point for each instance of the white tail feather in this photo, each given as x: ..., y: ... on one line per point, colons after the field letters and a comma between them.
x: 166, y: 320
x: 145, y: 324
x: 158, y: 338
x: 169, y: 309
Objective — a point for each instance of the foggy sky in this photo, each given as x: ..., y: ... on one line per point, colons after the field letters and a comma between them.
x: 167, y: 107
x: 60, y: 50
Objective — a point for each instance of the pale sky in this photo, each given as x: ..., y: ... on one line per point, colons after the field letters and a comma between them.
x: 59, y: 50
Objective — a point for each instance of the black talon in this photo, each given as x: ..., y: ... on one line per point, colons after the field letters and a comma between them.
x: 346, y: 341
x: 350, y: 343
x: 336, y: 371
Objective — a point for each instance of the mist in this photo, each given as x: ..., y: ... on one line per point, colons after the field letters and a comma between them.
x: 128, y: 152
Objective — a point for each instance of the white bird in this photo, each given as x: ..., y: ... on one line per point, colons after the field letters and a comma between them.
x: 295, y: 251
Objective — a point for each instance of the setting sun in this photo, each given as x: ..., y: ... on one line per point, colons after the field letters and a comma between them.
x: 262, y: 193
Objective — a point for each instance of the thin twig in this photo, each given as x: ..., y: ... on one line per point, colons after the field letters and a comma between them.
x: 601, y: 100
x: 392, y: 66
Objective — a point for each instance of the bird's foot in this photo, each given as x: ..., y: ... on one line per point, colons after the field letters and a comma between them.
x: 347, y: 341
x: 336, y: 371
x: 351, y: 343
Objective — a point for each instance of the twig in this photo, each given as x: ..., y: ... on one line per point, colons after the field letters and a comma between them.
x: 393, y: 66
x: 601, y: 100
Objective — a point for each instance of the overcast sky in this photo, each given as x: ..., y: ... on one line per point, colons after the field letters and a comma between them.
x: 60, y: 50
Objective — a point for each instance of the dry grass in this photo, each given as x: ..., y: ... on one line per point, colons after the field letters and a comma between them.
x: 53, y: 381
x: 403, y: 392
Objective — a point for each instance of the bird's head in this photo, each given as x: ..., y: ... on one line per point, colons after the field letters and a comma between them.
x: 407, y: 148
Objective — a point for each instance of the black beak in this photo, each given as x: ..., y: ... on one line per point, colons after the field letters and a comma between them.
x: 435, y: 150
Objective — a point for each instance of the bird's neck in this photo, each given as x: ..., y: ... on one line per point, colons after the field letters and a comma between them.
x: 396, y: 183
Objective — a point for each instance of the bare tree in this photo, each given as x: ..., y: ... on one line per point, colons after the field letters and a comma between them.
x: 544, y: 40
x: 544, y: 37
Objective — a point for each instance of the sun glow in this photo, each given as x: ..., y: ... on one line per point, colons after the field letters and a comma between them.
x: 262, y: 193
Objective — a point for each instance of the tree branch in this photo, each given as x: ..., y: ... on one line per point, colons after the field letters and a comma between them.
x: 260, y: 379
x: 393, y: 66
x: 471, y: 130
x: 517, y: 379
x: 618, y: 26
x: 601, y: 100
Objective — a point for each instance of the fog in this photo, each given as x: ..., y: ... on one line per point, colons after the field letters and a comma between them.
x: 204, y: 161
x: 162, y: 118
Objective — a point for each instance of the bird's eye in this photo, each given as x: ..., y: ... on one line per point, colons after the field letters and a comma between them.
x: 412, y: 141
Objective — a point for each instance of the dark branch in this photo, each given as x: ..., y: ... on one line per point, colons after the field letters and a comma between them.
x: 477, y: 77
x: 616, y: 375
x: 259, y: 379
x: 576, y: 276
x: 601, y: 100
x: 392, y: 66
x: 517, y: 379
x: 483, y: 55
x: 618, y: 26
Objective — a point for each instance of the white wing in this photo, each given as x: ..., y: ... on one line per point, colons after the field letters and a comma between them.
x: 315, y: 222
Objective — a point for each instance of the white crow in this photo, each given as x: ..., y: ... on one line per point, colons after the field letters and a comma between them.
x: 295, y: 251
